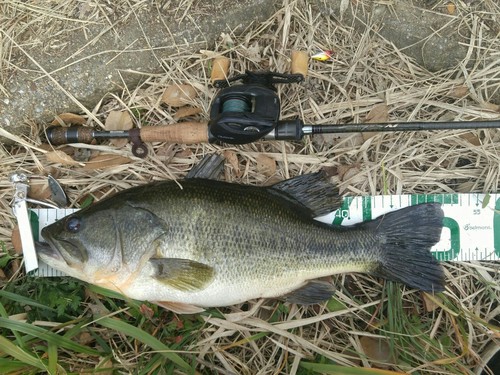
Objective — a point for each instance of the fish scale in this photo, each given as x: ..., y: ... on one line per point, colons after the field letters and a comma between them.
x: 303, y: 244
x: 211, y: 243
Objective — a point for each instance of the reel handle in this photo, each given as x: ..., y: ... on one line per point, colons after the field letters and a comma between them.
x: 220, y: 69
x: 300, y: 62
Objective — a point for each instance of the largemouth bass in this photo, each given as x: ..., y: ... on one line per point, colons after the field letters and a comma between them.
x: 200, y: 243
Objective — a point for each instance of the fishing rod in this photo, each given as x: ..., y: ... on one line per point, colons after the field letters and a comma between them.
x: 245, y: 113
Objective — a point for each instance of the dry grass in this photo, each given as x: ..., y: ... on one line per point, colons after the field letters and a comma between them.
x: 268, y: 337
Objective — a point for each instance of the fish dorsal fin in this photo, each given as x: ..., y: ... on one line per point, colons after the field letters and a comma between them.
x: 182, y: 274
x: 313, y: 192
x: 179, y: 307
x: 314, y: 291
x: 210, y: 167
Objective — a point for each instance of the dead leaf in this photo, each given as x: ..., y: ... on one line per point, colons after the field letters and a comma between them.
x: 466, y: 187
x: 186, y: 153
x: 209, y: 54
x: 166, y: 152
x: 459, y: 92
x: 232, y: 160
x: 266, y: 165
x: 227, y: 40
x: 253, y: 53
x: 83, y: 154
x: 472, y: 138
x: 84, y: 338
x: 178, y: 95
x: 429, y: 303
x: 15, y: 265
x: 147, y: 311
x: 378, y: 114
x: 451, y: 8
x: 58, y: 156
x: 68, y: 118
x: 118, y: 120
x: 46, y: 146
x: 376, y: 348
x: 15, y: 238
x: 330, y: 171
x: 342, y: 170
x: 40, y: 190
x: 186, y: 111
x: 105, y: 161
x: 490, y: 106
x: 272, y: 181
x: 105, y: 368
x: 352, y: 140
x: 350, y: 173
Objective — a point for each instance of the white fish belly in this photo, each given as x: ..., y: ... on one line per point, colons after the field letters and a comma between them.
x: 220, y: 293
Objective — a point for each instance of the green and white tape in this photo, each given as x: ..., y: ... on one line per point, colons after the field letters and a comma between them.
x: 471, y: 226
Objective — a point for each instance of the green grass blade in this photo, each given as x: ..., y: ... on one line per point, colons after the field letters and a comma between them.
x: 145, y: 338
x: 16, y: 352
x: 10, y: 365
x: 4, y: 314
x: 43, y: 334
x: 52, y: 356
x: 154, y: 365
x: 24, y: 300
x: 107, y: 293
x: 322, y: 368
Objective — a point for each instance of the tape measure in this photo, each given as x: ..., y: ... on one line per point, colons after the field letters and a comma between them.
x: 471, y: 226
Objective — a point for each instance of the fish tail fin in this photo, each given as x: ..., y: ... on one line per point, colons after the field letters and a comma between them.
x: 406, y: 237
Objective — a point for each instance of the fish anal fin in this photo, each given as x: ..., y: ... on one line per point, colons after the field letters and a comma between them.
x: 314, y: 291
x: 182, y: 274
x: 179, y: 307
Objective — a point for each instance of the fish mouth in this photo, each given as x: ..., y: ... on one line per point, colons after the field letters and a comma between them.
x: 48, y: 250
x: 53, y: 249
x: 60, y: 250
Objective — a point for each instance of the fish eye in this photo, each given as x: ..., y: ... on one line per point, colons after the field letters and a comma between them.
x: 73, y: 224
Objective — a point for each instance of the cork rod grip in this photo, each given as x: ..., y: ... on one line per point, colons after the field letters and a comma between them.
x: 185, y: 132
x: 61, y: 135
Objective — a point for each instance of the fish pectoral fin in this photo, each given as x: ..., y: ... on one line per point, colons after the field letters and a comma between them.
x: 179, y: 307
x: 182, y: 274
x: 314, y: 291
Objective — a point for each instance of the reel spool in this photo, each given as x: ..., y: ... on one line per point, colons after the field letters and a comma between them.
x: 243, y: 113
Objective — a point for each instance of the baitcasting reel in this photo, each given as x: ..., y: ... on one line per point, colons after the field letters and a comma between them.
x: 250, y: 111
